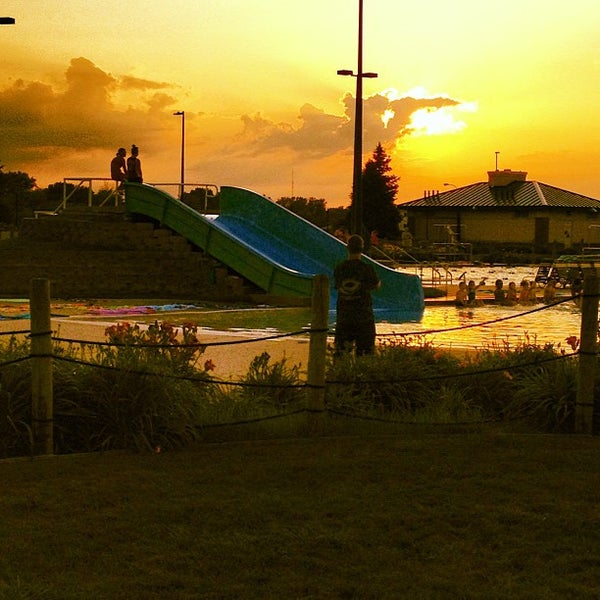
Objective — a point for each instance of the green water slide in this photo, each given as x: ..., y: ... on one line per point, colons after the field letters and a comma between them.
x: 271, y: 246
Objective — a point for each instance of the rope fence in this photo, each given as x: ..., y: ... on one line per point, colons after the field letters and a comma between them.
x: 502, y: 369
x: 42, y: 356
x: 197, y: 379
x: 193, y: 345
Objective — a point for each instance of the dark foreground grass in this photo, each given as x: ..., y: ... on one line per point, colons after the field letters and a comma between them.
x: 418, y: 516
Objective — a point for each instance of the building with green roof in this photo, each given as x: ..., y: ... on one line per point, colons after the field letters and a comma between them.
x: 508, y: 208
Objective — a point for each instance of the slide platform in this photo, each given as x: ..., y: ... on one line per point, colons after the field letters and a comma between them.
x: 274, y: 248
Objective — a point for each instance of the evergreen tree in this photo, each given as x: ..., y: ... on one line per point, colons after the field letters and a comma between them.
x: 379, y: 193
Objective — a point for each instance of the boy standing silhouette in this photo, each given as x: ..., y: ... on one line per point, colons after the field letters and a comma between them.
x: 354, y: 281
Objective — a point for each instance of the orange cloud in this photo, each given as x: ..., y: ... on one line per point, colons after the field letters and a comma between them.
x: 40, y: 123
x: 73, y: 127
x: 320, y: 134
x: 135, y: 83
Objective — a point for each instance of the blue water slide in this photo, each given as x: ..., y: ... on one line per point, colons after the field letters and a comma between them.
x: 274, y: 248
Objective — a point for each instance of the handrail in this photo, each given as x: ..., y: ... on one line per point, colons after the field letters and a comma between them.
x: 116, y: 194
x: 208, y: 187
x: 454, y: 250
x: 440, y: 274
x: 376, y: 250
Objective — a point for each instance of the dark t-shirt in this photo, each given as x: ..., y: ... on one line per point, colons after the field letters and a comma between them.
x: 354, y: 281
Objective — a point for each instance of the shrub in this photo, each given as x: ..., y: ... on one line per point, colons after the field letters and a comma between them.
x: 137, y: 396
x: 402, y: 376
x: 148, y: 390
x: 412, y: 379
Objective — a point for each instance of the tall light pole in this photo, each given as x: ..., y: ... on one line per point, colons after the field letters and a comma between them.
x: 181, y: 113
x: 357, y: 199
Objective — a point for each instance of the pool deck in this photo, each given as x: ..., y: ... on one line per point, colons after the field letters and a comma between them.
x: 70, y: 321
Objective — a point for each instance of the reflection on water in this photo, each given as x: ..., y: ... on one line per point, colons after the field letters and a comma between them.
x: 543, y: 325
x: 549, y: 325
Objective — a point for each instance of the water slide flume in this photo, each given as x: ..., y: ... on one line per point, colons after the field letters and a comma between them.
x: 274, y: 248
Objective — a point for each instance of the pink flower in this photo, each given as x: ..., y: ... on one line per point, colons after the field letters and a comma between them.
x: 573, y: 341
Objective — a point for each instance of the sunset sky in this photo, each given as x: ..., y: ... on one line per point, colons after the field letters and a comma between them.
x: 458, y: 81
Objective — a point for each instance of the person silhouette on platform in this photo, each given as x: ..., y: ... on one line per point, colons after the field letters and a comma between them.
x: 134, y: 166
x: 118, y: 168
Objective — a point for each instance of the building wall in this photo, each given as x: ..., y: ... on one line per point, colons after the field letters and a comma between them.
x: 504, y: 226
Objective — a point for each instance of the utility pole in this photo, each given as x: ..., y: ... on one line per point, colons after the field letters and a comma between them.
x: 357, y: 192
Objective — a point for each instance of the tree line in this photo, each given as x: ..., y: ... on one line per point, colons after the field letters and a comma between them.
x: 20, y: 197
x: 379, y: 189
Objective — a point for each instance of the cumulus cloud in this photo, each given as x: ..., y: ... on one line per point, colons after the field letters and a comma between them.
x: 135, y: 83
x: 38, y: 122
x: 387, y: 117
x: 318, y: 134
x: 72, y: 126
x: 88, y: 88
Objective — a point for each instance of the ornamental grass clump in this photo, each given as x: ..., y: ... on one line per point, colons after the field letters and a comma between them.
x: 266, y: 402
x: 452, y: 405
x: 525, y: 383
x: 546, y: 395
x: 15, y: 398
x: 271, y: 384
x: 98, y: 409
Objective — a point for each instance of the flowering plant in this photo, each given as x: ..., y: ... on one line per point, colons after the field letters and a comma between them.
x: 160, y: 340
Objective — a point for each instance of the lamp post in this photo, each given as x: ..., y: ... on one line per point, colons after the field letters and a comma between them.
x: 181, y: 113
x: 357, y: 200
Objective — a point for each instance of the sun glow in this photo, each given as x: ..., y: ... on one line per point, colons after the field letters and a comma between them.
x: 430, y: 120
x: 387, y: 116
x: 434, y: 121
x: 68, y: 101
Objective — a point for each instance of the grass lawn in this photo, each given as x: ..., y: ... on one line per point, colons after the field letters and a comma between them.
x: 481, y: 515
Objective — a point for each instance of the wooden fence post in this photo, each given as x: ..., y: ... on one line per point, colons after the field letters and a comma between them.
x: 584, y: 408
x: 42, y: 408
x: 317, y: 352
